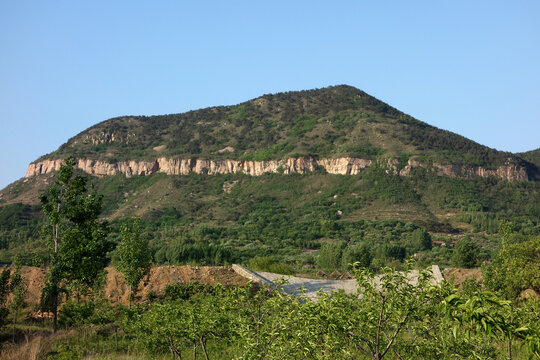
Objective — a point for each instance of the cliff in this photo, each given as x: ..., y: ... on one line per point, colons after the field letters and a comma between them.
x: 300, y: 165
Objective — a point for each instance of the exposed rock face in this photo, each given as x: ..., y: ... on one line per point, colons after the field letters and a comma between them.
x: 508, y: 172
x: 345, y: 166
x: 301, y: 165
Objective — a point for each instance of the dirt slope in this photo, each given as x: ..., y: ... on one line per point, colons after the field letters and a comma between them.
x: 159, y: 277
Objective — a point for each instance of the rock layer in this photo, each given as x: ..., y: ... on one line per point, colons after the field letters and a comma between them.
x: 300, y: 165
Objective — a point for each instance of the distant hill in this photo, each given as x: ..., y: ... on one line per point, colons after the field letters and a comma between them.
x: 331, y: 122
x: 332, y: 164
x: 532, y: 156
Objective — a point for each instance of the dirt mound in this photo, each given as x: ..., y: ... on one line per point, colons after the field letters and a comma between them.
x: 158, y: 278
x: 457, y: 276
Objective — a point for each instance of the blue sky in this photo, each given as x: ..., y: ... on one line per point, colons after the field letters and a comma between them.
x: 471, y: 67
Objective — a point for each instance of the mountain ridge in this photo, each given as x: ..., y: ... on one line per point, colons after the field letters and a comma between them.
x: 334, y: 122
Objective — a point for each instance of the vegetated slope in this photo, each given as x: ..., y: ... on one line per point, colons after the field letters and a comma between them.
x: 224, y: 218
x: 532, y: 156
x: 330, y: 122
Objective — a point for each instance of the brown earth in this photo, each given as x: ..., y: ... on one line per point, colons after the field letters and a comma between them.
x: 158, y: 278
x: 457, y: 276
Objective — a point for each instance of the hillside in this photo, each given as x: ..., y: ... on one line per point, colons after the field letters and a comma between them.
x: 282, y: 174
x: 532, y: 156
x: 339, y: 121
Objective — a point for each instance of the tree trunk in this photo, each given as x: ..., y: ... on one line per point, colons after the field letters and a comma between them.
x: 14, y: 322
x: 203, y: 345
x: 55, y: 306
x: 55, y: 290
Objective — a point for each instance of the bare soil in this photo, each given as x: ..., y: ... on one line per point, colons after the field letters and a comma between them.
x: 457, y: 276
x: 158, y: 278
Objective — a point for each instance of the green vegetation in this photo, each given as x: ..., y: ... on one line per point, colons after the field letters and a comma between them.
x: 393, y: 318
x: 221, y: 219
x: 76, y: 240
x: 390, y: 316
x: 515, y: 268
x: 465, y: 254
x: 192, y: 219
x: 134, y: 256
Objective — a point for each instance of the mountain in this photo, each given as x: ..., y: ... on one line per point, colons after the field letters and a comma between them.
x: 282, y: 173
x: 332, y: 123
x: 532, y: 156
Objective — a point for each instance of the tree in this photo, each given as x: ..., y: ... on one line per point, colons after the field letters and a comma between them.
x: 515, y: 268
x: 390, y: 305
x: 330, y: 255
x: 18, y: 289
x: 360, y: 254
x: 134, y: 256
x: 192, y: 322
x: 421, y: 239
x: 465, y: 253
x: 4, y: 293
x: 76, y: 239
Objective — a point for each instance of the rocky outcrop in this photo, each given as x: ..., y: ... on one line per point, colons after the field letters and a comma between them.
x: 300, y: 165
x: 508, y: 171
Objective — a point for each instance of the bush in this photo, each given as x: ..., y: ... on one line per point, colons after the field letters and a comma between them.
x: 73, y: 313
x: 360, y: 254
x: 179, y: 291
x: 330, y: 255
x: 264, y: 263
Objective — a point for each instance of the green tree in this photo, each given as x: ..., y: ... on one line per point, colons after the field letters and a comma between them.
x: 359, y: 254
x: 390, y: 305
x: 134, y: 256
x: 76, y: 239
x: 192, y: 322
x: 465, y: 254
x: 515, y: 268
x: 330, y: 255
x: 4, y: 293
x: 18, y: 289
x: 421, y: 239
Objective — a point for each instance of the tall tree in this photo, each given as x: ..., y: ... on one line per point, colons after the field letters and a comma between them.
x: 4, y: 293
x: 18, y: 289
x: 134, y: 257
x: 421, y: 239
x: 76, y: 239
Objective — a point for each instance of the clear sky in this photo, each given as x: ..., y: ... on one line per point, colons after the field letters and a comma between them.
x: 472, y: 67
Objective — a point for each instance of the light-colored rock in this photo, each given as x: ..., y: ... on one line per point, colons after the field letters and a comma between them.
x: 300, y: 165
x: 226, y: 149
